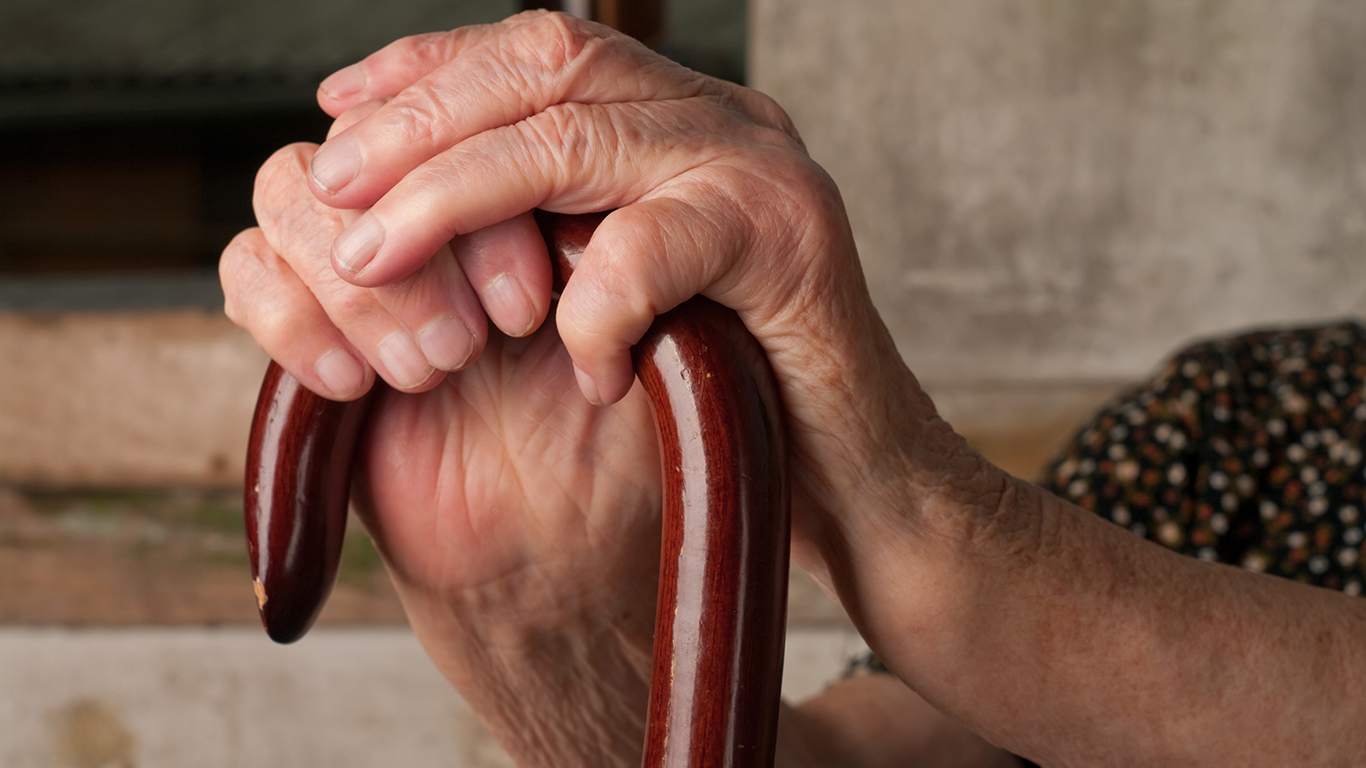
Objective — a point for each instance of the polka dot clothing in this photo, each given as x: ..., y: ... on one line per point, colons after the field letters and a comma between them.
x: 1247, y: 450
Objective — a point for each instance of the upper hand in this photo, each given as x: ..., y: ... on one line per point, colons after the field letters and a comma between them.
x: 712, y: 191
x: 442, y: 145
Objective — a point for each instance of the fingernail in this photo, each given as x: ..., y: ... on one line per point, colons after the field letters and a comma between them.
x: 340, y: 372
x: 404, y: 360
x: 587, y: 386
x: 509, y: 304
x: 336, y: 164
x: 358, y: 243
x: 447, y: 343
x: 345, y: 81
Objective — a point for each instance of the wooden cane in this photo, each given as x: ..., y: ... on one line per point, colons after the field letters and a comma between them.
x: 719, y: 628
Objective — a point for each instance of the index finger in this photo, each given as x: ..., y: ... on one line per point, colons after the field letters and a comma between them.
x: 521, y: 67
x: 396, y: 66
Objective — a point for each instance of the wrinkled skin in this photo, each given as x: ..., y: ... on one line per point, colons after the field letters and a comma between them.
x: 513, y: 512
x: 713, y: 193
x: 483, y: 490
x: 511, y: 480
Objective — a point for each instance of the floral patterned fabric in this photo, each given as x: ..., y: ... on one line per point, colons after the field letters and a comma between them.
x: 1246, y: 450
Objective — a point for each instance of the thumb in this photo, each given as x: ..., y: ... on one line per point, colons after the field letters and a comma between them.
x: 642, y: 261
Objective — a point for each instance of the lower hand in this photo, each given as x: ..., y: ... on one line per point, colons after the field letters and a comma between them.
x: 518, y: 521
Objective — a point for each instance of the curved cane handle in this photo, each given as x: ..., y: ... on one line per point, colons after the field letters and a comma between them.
x: 717, y: 668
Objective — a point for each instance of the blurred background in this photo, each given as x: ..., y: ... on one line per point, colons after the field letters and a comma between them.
x: 1049, y: 196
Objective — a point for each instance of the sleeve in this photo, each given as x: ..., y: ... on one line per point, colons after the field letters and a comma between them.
x: 1246, y: 450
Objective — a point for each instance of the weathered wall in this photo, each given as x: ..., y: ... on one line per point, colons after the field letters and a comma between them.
x: 226, y: 698
x: 125, y: 398
x: 1064, y: 189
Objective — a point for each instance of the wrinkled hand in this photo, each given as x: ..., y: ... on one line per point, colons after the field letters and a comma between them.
x: 520, y: 523
x: 485, y: 123
x: 482, y: 490
x: 713, y: 193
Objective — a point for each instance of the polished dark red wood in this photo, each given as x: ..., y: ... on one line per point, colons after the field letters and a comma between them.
x: 723, y: 567
x: 718, y: 652
x: 719, y: 629
x: 298, y: 482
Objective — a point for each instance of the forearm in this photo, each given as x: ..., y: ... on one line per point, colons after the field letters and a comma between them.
x: 1067, y: 639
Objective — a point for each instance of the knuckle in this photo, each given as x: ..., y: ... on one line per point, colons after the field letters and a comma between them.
x: 415, y: 116
x: 817, y: 198
x: 624, y: 279
x: 766, y: 111
x: 556, y: 41
x: 562, y: 135
x: 435, y: 181
x: 271, y: 324
x: 781, y: 181
x: 429, y: 46
x: 555, y: 38
x: 280, y: 175
x: 441, y: 47
x: 233, y: 311
x: 411, y: 53
x: 234, y: 267
x: 286, y: 164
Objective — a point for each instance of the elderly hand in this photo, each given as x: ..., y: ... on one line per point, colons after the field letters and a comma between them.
x: 713, y: 193
x: 513, y: 515
x: 1058, y: 635
x: 484, y: 491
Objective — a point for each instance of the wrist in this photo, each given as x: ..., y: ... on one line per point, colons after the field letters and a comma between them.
x: 924, y: 533
x: 879, y: 454
x: 567, y: 692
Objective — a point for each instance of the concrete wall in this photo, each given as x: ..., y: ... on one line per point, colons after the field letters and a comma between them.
x: 227, y: 698
x: 125, y: 398
x: 1067, y: 189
